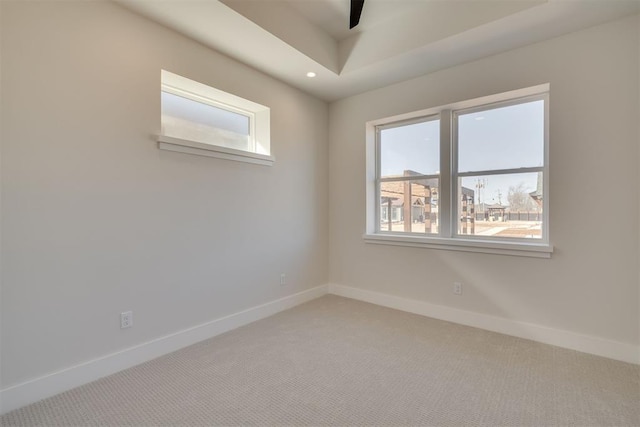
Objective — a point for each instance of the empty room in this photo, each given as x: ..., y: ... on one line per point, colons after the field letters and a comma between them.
x: 320, y: 212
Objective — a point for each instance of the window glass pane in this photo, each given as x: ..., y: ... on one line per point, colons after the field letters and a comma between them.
x: 410, y: 150
x: 502, y: 138
x: 189, y: 119
x: 509, y: 205
x: 409, y: 206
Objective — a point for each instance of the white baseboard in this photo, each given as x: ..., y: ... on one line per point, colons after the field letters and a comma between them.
x: 584, y: 343
x: 48, y: 385
x: 57, y: 382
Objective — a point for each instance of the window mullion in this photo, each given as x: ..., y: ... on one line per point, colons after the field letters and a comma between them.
x: 444, y: 203
x: 408, y: 178
x: 500, y: 171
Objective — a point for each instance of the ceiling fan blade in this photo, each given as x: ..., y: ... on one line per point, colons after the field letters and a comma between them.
x: 356, y: 10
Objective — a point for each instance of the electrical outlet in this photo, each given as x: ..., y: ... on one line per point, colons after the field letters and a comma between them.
x: 283, y: 279
x: 457, y: 288
x: 126, y: 319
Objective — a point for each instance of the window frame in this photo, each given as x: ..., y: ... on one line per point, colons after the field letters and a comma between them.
x: 219, y: 105
x: 380, y: 180
x: 448, y: 236
x: 455, y: 174
x: 259, y: 116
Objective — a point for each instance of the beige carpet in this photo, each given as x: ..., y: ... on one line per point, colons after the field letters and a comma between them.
x: 336, y: 361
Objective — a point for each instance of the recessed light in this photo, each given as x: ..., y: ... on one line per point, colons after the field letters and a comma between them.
x: 480, y: 118
x: 311, y: 74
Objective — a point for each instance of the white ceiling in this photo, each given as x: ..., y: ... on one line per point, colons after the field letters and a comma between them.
x: 395, y: 40
x: 332, y: 16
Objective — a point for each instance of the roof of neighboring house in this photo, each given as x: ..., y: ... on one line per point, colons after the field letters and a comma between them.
x: 537, y: 194
x: 496, y: 206
x: 394, y: 190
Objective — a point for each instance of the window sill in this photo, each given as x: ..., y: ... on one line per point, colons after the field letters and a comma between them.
x: 198, y: 148
x: 535, y: 250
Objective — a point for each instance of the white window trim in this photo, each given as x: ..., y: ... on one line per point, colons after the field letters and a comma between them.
x: 448, y: 237
x: 391, y: 125
x: 179, y: 145
x: 259, y: 122
x: 535, y: 250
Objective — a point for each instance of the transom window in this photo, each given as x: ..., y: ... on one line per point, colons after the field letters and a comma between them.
x: 200, y: 119
x: 186, y: 116
x: 465, y: 176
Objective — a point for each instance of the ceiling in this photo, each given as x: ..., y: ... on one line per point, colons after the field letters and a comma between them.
x: 395, y: 40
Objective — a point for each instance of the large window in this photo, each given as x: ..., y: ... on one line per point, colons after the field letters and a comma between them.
x: 199, y: 119
x: 467, y: 176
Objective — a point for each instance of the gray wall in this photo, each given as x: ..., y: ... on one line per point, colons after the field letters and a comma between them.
x: 590, y: 285
x: 96, y: 220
